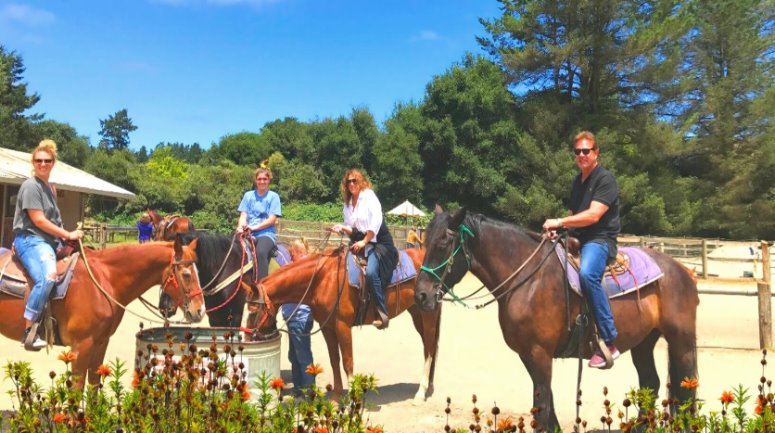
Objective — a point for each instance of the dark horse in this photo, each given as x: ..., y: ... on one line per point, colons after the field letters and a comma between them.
x: 532, y: 306
x: 219, y: 257
x: 320, y: 281
x: 165, y: 228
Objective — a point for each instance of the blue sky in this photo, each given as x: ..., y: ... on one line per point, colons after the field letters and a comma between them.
x: 195, y: 70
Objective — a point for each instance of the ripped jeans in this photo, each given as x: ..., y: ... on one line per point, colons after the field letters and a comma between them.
x: 39, y: 260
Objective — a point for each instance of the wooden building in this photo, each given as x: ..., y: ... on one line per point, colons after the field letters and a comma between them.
x: 73, y: 186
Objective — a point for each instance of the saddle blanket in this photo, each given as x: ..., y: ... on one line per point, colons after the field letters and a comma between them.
x: 13, y: 280
x: 404, y: 270
x: 643, y: 270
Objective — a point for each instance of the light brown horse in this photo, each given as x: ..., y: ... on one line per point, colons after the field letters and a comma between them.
x: 87, y: 317
x: 165, y: 228
x: 333, y: 303
x: 531, y: 306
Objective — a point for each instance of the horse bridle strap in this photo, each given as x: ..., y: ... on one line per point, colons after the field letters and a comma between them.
x: 447, y: 264
x: 172, y: 278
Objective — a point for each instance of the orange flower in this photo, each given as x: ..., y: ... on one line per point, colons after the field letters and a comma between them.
x: 505, y: 424
x: 59, y: 418
x: 136, y: 380
x: 245, y: 393
x: 314, y: 369
x: 690, y: 383
x: 727, y: 397
x: 67, y: 356
x: 377, y: 429
x: 277, y: 384
x: 103, y: 370
x: 321, y: 429
x: 760, y: 403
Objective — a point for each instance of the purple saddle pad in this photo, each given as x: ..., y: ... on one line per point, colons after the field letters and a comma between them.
x: 643, y: 270
x: 281, y: 255
x: 404, y: 270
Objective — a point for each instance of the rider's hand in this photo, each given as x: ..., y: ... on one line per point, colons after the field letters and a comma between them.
x: 358, y: 246
x: 74, y: 235
x: 337, y: 228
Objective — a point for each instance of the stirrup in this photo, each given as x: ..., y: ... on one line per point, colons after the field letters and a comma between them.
x: 31, y: 337
x: 603, y: 348
x: 382, y: 321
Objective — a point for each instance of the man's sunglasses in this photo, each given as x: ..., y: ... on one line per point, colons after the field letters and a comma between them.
x: 584, y: 151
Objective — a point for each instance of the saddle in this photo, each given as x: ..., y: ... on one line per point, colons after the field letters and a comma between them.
x: 356, y: 271
x: 619, y: 265
x: 14, y: 280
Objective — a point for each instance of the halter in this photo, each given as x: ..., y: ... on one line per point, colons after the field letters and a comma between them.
x: 172, y: 278
x: 447, y: 264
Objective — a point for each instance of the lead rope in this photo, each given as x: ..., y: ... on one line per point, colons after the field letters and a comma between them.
x: 112, y: 299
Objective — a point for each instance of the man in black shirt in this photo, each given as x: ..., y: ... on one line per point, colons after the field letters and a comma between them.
x: 594, y: 219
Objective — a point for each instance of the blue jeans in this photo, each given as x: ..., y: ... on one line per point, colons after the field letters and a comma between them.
x: 299, y: 344
x: 39, y: 260
x: 374, y: 282
x: 594, y: 257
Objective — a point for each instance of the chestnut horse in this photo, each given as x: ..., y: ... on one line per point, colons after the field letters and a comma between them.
x: 532, y: 305
x: 89, y: 314
x: 165, y: 228
x: 320, y: 281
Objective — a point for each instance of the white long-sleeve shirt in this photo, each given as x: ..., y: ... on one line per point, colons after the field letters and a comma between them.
x: 366, y: 214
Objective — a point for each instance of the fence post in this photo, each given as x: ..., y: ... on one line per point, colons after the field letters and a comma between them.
x: 765, y: 311
x: 704, y: 258
x: 103, y: 230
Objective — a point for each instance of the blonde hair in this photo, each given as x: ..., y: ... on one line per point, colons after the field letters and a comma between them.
x: 363, y: 182
x: 585, y: 135
x: 299, y: 245
x: 263, y: 169
x: 48, y: 146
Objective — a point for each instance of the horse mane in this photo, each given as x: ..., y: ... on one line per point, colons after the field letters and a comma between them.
x: 211, y: 248
x: 475, y: 220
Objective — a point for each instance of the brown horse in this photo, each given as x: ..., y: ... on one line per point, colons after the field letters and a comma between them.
x: 532, y: 305
x: 165, y: 228
x: 88, y: 316
x: 333, y: 303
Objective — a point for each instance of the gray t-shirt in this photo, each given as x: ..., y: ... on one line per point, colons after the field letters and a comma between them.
x: 36, y: 194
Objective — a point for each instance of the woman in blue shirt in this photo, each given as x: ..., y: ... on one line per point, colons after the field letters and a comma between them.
x: 259, y: 210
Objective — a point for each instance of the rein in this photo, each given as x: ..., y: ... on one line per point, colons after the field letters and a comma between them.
x: 463, y: 230
x: 124, y: 307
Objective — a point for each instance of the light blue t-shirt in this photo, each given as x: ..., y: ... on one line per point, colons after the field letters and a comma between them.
x: 258, y: 208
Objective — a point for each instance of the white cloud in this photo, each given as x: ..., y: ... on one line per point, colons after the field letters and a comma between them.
x: 427, y: 35
x: 26, y: 15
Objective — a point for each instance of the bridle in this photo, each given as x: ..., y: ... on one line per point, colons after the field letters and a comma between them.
x: 174, y: 278
x: 457, y: 248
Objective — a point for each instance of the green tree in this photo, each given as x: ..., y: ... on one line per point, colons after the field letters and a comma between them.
x: 398, y: 164
x: 15, y: 129
x: 244, y: 148
x: 114, y: 131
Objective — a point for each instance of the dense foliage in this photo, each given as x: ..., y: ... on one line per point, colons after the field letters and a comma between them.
x: 679, y: 92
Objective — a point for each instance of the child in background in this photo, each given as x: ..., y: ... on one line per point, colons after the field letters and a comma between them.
x: 299, y: 328
x: 144, y: 228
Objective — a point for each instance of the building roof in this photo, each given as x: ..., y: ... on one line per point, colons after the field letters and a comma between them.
x: 15, y: 168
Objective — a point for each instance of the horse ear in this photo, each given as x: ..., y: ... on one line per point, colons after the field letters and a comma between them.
x: 438, y: 210
x: 457, y: 219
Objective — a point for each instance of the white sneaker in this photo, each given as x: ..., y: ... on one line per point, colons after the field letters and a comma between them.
x: 37, y: 343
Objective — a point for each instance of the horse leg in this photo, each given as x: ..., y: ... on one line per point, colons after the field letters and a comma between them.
x: 643, y: 360
x: 539, y: 366
x: 682, y: 362
x: 332, y: 343
x: 344, y: 334
x: 84, y: 366
x: 427, y: 325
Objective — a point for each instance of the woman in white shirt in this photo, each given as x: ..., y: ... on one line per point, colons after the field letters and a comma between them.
x: 369, y: 237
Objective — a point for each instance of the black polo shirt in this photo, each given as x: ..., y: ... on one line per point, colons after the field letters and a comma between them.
x: 600, y: 186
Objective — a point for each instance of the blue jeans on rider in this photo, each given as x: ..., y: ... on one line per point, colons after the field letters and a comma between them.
x: 39, y: 260
x: 594, y: 258
x: 299, y: 344
x: 264, y: 247
x: 373, y: 281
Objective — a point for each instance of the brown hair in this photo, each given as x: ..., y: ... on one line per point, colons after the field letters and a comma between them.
x: 48, y: 146
x: 263, y: 170
x: 363, y: 181
x: 585, y: 135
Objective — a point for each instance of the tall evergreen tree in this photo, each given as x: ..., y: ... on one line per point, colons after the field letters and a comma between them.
x: 15, y: 132
x: 115, y: 131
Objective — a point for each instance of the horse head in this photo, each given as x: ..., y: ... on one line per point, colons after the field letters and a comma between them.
x: 262, y: 314
x: 181, y: 281
x: 446, y: 260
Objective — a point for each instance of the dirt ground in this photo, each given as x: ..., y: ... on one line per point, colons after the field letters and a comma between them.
x: 473, y: 359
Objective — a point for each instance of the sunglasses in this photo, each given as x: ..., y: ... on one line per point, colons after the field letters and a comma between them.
x: 262, y: 179
x: 352, y: 181
x: 583, y: 151
x: 43, y: 161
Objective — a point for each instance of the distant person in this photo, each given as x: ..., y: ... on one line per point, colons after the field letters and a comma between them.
x: 259, y: 210
x: 412, y: 239
x: 144, y: 228
x: 37, y: 226
x: 298, y: 318
x: 594, y: 220
x: 369, y: 237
